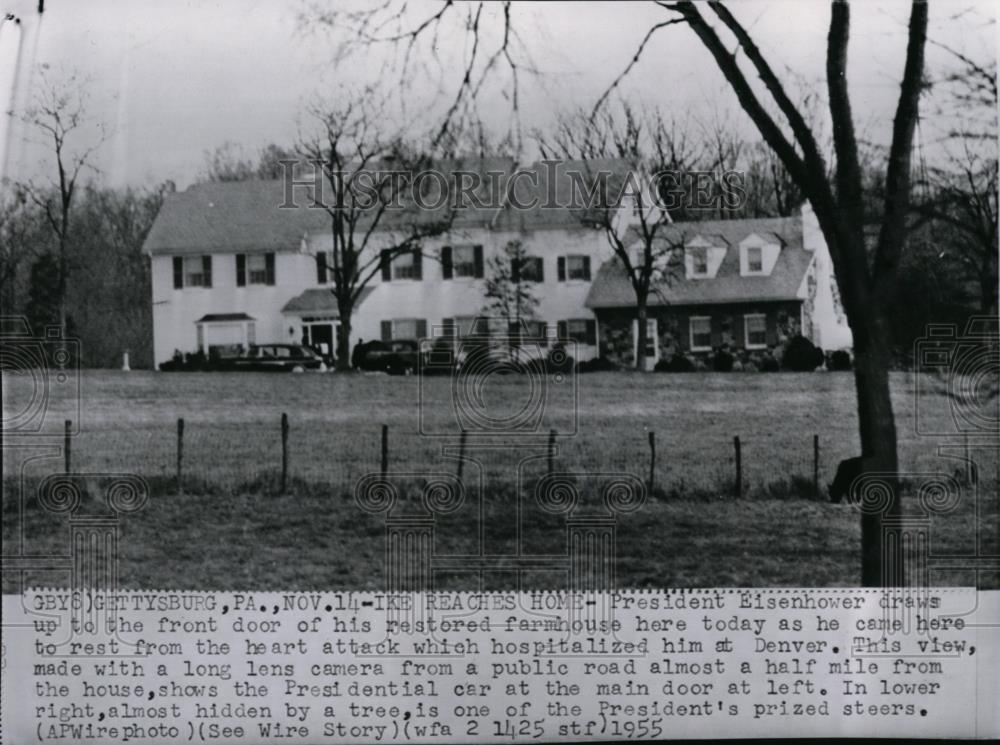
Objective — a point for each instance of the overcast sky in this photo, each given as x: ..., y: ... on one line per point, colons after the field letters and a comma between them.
x: 176, y: 79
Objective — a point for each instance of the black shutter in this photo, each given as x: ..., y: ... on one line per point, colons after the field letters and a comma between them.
x: 241, y: 270
x: 269, y: 268
x: 386, y: 330
x: 386, y: 265
x: 715, y: 324
x: 178, y: 273
x: 478, y: 252
x: 591, y: 332
x: 448, y: 328
x: 421, y: 328
x: 540, y: 267
x: 771, y: 324
x: 562, y: 330
x: 586, y: 268
x: 321, y: 268
x: 446, y: 262
x: 418, y: 264
x: 561, y: 268
x: 515, y: 270
x: 206, y: 270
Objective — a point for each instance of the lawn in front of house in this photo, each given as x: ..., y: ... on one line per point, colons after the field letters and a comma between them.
x: 230, y: 528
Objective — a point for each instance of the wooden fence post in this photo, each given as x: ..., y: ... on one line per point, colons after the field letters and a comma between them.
x: 385, y: 450
x: 461, y: 453
x: 284, y: 452
x: 739, y: 466
x: 816, y: 466
x: 180, y: 455
x: 652, y: 462
x: 66, y: 452
x: 552, y: 450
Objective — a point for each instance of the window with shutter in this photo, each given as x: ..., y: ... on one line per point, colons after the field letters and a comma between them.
x: 465, y: 261
x: 256, y: 266
x: 194, y: 271
x: 578, y: 267
x: 531, y: 269
x: 406, y: 265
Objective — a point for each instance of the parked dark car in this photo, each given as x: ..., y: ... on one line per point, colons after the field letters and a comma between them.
x: 396, y: 357
x: 278, y: 358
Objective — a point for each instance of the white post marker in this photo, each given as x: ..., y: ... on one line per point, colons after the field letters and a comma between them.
x: 125, y: 366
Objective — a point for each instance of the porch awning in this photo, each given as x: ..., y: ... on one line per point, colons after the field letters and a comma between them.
x: 319, y: 300
x: 225, y: 318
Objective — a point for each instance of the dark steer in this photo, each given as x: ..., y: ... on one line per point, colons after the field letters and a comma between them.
x: 847, y: 472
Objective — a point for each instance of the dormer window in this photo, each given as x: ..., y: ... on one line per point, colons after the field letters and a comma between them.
x: 703, y: 256
x: 699, y: 262
x: 759, y: 253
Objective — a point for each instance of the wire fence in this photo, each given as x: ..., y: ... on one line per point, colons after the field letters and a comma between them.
x: 284, y: 454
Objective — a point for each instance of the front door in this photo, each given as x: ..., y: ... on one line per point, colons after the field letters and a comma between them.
x: 320, y: 338
x: 652, y: 343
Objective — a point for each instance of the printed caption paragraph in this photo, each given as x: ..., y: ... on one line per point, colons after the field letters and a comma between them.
x: 497, y: 667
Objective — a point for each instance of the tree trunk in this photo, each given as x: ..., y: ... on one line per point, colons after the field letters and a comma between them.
x: 640, y: 351
x: 881, y: 562
x: 344, y: 335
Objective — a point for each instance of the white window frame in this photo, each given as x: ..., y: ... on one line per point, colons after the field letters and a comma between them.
x: 395, y: 328
x: 582, y: 258
x: 541, y: 266
x: 691, y: 344
x: 260, y: 270
x: 750, y: 270
x: 199, y: 271
x: 470, y: 265
x: 746, y: 330
x: 694, y: 252
x: 401, y: 266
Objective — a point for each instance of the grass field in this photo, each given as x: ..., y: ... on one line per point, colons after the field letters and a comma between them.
x: 230, y: 528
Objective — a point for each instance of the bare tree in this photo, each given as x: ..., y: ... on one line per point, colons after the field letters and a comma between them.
x: 960, y: 194
x: 58, y: 114
x: 628, y: 160
x: 21, y: 241
x: 866, y: 283
x: 229, y: 162
x: 364, y: 178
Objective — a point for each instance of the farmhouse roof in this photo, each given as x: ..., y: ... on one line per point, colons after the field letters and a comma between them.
x: 612, y: 289
x: 247, y: 217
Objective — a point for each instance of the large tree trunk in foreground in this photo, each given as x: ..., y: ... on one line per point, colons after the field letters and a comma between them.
x: 881, y: 561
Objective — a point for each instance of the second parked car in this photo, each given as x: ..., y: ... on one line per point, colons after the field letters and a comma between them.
x: 278, y: 358
x: 396, y: 357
